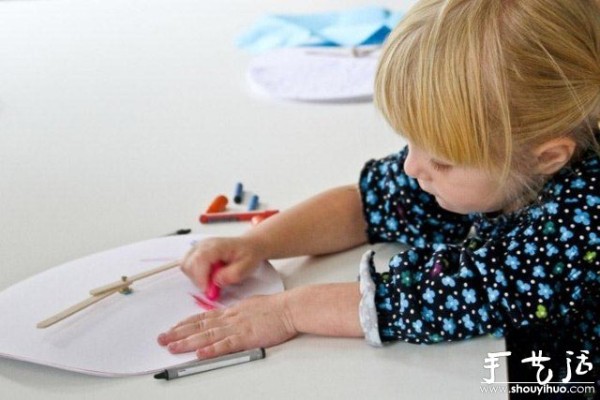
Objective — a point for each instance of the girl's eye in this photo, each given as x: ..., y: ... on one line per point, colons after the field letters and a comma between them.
x: 438, y: 166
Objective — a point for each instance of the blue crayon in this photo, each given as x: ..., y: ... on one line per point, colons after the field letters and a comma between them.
x: 238, y: 195
x: 253, y: 205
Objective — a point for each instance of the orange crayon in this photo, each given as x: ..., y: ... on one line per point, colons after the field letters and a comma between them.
x: 217, y: 205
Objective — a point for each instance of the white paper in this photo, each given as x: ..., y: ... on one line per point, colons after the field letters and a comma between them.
x: 116, y: 336
x: 315, y: 74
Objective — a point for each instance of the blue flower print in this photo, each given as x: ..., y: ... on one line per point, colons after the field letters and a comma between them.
x: 386, y: 304
x: 449, y: 325
x: 592, y: 200
x: 417, y: 325
x: 483, y: 314
x: 382, y: 290
x: 448, y: 281
x: 371, y: 197
x: 538, y: 271
x: 594, y: 239
x: 597, y: 330
x: 535, y: 212
x: 375, y: 217
x: 424, y: 197
x: 578, y: 183
x: 572, y: 252
x: 391, y: 224
x: 530, y: 249
x: 482, y: 251
x: 523, y: 287
x: 451, y: 303
x: 401, y: 180
x: 465, y: 273
x: 437, y: 237
x: 448, y: 227
x: 565, y: 234
x: 574, y: 274
x: 582, y: 217
x: 392, y: 188
x: 388, y: 332
x: 466, y: 319
x: 591, y: 276
x: 434, y: 221
x: 412, y: 183
x: 469, y: 295
x: 439, y: 247
x: 403, y: 302
x: 413, y: 257
x: 512, y: 262
x: 364, y: 183
x: 481, y: 267
x: 418, y: 210
x: 420, y: 242
x: 396, y: 261
x: 544, y: 291
x: 493, y: 294
x: 551, y: 207
x: 429, y: 295
x: 400, y: 324
x: 383, y: 169
x: 500, y: 278
x: 551, y: 250
x: 427, y: 314
x: 558, y: 189
x: 513, y: 245
x: 529, y: 231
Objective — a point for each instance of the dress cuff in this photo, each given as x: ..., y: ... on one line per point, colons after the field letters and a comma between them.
x: 366, y: 309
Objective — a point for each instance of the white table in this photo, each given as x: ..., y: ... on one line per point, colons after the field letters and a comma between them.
x: 120, y: 120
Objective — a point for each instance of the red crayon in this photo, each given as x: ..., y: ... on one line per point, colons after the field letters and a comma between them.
x: 234, y: 216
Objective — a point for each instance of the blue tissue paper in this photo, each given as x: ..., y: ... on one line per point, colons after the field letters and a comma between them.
x: 355, y: 27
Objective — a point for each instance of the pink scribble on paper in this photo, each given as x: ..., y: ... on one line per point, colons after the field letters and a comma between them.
x: 205, y: 303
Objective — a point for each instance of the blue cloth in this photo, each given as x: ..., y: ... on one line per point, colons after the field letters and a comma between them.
x: 355, y: 27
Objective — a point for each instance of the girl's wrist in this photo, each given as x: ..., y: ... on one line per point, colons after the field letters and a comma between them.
x: 287, y: 299
x: 259, y: 244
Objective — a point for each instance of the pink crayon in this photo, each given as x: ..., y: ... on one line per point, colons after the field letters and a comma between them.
x: 213, y: 291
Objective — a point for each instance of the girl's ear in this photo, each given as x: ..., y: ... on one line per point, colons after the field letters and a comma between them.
x: 553, y: 155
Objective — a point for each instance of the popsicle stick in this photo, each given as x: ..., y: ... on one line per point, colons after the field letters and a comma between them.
x: 78, y: 307
x: 130, y: 279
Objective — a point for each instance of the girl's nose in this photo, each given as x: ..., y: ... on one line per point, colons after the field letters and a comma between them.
x: 412, y: 165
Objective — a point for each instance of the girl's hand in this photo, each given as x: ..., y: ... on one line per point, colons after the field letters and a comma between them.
x: 260, y: 321
x: 240, y: 256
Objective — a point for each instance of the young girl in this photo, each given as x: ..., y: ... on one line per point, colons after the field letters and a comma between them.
x: 496, y: 194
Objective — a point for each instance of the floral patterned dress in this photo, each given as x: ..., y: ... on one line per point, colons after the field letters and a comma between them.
x: 532, y: 276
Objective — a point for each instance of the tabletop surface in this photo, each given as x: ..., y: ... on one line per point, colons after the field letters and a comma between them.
x: 120, y: 120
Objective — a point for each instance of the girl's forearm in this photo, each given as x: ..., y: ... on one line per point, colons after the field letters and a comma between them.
x: 328, y: 309
x: 329, y: 222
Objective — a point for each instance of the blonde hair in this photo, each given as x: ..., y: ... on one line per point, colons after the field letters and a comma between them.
x: 481, y: 82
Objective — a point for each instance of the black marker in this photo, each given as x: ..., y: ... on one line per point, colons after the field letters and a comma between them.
x: 195, y: 367
x: 179, y: 232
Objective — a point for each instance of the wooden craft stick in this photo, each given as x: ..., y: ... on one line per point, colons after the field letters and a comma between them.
x: 130, y: 279
x: 78, y: 307
x: 105, y: 291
